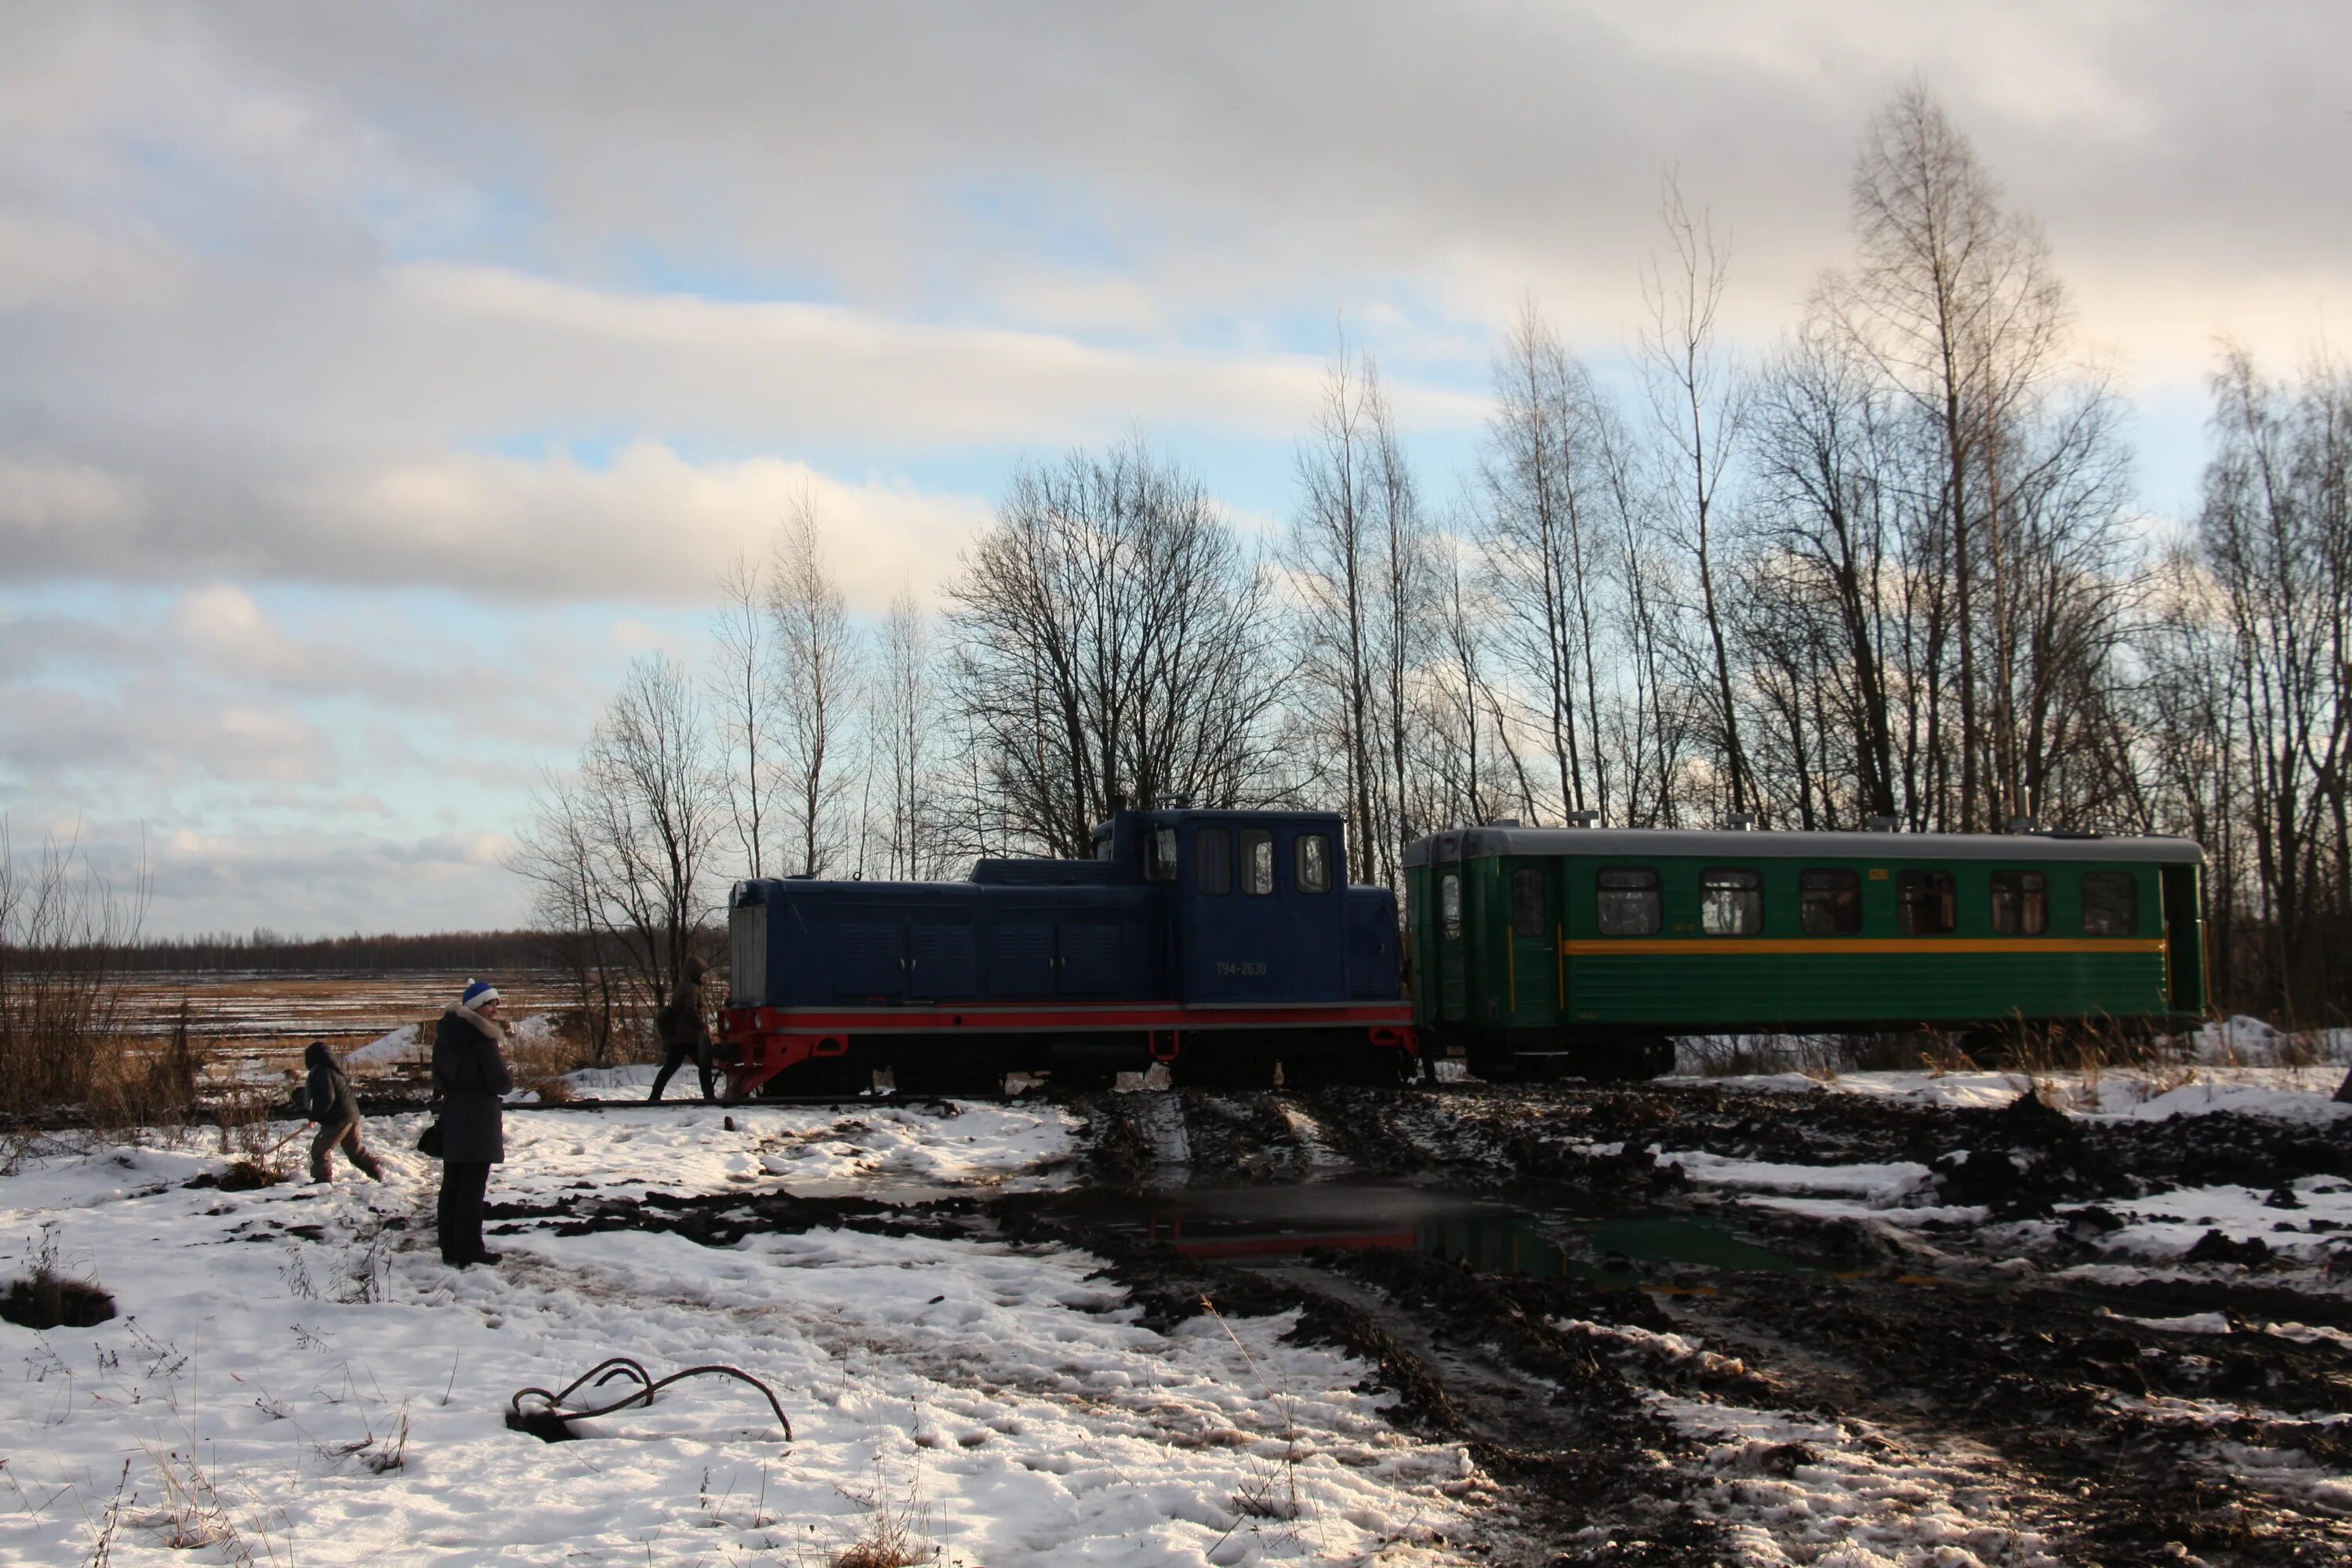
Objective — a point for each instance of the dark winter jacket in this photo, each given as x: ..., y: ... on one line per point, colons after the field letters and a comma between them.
x: 327, y: 1098
x: 681, y: 1023
x: 468, y: 1075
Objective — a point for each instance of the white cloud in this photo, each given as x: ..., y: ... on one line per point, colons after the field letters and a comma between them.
x: 316, y: 882
x: 648, y: 528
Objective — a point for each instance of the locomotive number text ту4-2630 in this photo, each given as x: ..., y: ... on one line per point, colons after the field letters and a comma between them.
x: 1241, y: 968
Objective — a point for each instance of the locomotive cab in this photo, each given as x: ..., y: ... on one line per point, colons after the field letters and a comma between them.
x: 1259, y: 908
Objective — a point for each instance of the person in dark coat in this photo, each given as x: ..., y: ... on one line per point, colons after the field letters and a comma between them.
x: 684, y: 1030
x: 327, y: 1101
x: 470, y: 1074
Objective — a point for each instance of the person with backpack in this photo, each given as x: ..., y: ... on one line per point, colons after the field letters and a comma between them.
x: 328, y: 1100
x: 685, y: 1031
x: 468, y: 1075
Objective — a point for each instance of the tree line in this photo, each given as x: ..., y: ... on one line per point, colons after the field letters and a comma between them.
x: 474, y: 952
x: 1887, y: 571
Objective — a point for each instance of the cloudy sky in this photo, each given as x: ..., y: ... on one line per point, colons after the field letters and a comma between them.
x: 375, y: 382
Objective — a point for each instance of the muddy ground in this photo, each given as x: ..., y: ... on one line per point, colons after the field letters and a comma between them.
x: 1676, y: 1414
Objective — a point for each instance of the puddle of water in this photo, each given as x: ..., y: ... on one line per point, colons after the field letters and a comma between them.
x: 1245, y: 1224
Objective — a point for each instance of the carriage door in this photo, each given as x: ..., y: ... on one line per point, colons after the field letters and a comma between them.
x: 2184, y: 941
x: 1451, y: 900
x: 1532, y: 971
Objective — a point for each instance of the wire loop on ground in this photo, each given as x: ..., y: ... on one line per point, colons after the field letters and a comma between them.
x: 551, y: 1418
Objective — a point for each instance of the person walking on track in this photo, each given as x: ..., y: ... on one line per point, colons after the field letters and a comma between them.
x: 684, y: 1030
x: 328, y: 1100
x: 470, y: 1074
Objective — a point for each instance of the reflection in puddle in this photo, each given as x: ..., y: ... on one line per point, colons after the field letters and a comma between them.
x: 1245, y: 1223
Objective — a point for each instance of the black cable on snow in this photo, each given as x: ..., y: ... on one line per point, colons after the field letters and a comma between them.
x: 549, y: 1419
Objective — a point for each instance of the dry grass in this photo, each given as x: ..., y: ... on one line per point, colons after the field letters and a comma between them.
x: 1743, y: 1055
x: 195, y: 1516
x: 895, y: 1531
x: 541, y: 1064
x: 261, y: 1151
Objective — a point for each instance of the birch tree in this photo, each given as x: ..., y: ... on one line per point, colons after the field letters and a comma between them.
x: 818, y: 665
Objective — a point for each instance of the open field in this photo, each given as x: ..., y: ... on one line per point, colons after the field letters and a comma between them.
x: 252, y: 1025
x: 264, y: 1006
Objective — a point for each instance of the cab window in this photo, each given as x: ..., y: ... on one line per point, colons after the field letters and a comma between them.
x: 2021, y: 903
x: 1213, y: 861
x: 1449, y: 905
x: 1926, y: 903
x: 1257, y: 861
x: 1730, y: 902
x: 1159, y: 856
x: 1528, y: 901
x: 2110, y: 903
x: 1628, y: 901
x: 1829, y: 902
x: 1314, y: 867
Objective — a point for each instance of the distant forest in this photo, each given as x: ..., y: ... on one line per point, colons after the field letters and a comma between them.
x: 468, y: 949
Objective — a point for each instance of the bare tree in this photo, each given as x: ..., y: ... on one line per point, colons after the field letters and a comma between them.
x: 1827, y: 502
x: 1954, y: 299
x: 2272, y: 537
x: 563, y: 856
x: 744, y: 700
x: 816, y: 660
x: 1329, y: 556
x: 1468, y: 775
x: 1700, y: 402
x: 624, y: 847
x: 1111, y: 645
x: 905, y: 714
x: 1358, y: 558
x: 1406, y: 619
x: 1541, y: 446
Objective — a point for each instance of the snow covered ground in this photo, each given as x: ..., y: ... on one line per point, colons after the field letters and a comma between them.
x: 295, y: 1378
x: 2305, y: 1222
x: 2149, y: 1093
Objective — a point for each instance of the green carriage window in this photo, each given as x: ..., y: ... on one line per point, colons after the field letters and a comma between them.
x: 1730, y: 902
x: 1449, y: 906
x: 1528, y: 901
x: 1213, y: 861
x: 1926, y: 903
x: 1628, y: 902
x: 1313, y: 863
x: 1257, y: 861
x: 1829, y: 902
x: 2110, y: 903
x: 2021, y: 903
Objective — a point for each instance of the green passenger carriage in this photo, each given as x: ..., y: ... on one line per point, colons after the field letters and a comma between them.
x: 1585, y: 950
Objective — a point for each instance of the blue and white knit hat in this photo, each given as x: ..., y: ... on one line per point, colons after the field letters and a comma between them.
x: 479, y: 991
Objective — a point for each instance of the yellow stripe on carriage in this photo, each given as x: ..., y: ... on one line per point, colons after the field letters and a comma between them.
x: 1732, y: 946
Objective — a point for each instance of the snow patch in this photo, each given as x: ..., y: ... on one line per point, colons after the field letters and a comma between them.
x: 343, y: 1391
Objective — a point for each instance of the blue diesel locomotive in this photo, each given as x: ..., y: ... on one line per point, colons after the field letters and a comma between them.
x: 1226, y: 944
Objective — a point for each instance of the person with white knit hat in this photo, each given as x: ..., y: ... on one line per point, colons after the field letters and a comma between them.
x: 470, y: 1074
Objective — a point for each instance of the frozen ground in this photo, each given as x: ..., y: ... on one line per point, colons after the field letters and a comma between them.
x: 295, y: 1378
x: 2149, y: 1093
x: 2107, y: 1324
x: 1933, y: 1321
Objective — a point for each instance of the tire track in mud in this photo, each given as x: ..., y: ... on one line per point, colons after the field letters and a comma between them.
x: 2073, y: 1435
